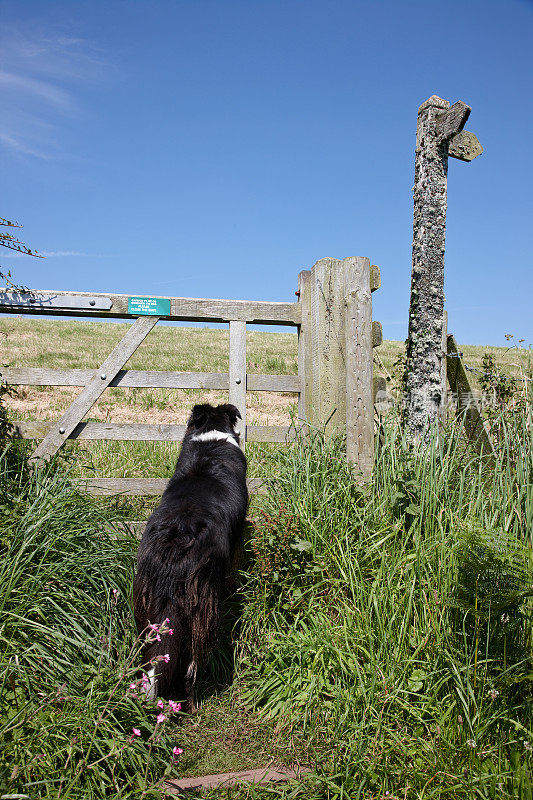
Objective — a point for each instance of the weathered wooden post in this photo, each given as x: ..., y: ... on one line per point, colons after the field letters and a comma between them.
x: 305, y: 403
x: 439, y: 135
x: 360, y: 337
x: 328, y: 360
x: 336, y: 338
x: 237, y: 373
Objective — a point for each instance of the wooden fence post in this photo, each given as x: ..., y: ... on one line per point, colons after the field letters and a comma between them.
x: 342, y: 337
x: 328, y: 345
x: 359, y: 341
x: 237, y: 373
x: 305, y: 404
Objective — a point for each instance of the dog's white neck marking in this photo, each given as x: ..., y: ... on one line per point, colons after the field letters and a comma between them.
x: 215, y: 436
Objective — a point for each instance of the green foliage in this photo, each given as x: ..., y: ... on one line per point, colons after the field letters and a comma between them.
x: 508, y: 399
x: 388, y: 625
x: 9, y: 241
x: 283, y: 559
x: 493, y: 381
x: 409, y: 648
x: 494, y: 588
x: 68, y: 650
x: 4, y: 421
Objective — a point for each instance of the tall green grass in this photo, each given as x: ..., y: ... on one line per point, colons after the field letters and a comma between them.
x: 68, y: 651
x: 393, y: 620
x: 387, y: 623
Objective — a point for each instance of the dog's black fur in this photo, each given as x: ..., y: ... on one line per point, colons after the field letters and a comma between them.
x: 186, y: 550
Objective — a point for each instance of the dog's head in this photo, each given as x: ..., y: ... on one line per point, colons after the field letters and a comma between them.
x: 206, y: 418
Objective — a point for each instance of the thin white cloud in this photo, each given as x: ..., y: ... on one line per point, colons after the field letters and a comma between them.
x: 68, y: 253
x: 52, y: 254
x: 22, y: 147
x: 41, y: 81
x: 37, y: 89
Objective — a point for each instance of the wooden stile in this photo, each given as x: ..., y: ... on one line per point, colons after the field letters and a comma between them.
x: 375, y: 278
x: 179, y: 786
x: 377, y: 334
x: 138, y: 432
x: 136, y: 487
x: 184, y: 309
x: 467, y: 406
x: 149, y: 379
x: 328, y: 342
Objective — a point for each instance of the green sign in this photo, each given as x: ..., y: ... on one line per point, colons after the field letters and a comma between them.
x: 149, y: 305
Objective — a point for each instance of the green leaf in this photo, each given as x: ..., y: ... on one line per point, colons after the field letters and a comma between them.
x: 302, y: 545
x: 413, y: 510
x: 416, y: 681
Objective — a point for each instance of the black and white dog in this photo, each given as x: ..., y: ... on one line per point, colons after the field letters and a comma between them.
x: 186, y: 549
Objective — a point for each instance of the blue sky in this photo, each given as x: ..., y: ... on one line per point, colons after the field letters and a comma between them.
x: 213, y: 148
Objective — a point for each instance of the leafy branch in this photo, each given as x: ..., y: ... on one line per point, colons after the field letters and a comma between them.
x: 11, y: 243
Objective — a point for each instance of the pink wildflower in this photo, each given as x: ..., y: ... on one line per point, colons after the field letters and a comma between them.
x: 133, y: 686
x: 166, y: 621
x: 136, y: 731
x: 153, y: 627
x: 166, y: 658
x: 176, y: 751
x: 174, y: 707
x: 158, y: 638
x: 161, y: 718
x: 170, y: 632
x: 160, y: 704
x: 115, y: 593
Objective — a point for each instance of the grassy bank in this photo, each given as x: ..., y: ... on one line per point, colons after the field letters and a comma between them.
x: 381, y: 635
x: 71, y: 724
x: 392, y: 624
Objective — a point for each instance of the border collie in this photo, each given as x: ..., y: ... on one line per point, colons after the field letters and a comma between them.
x: 185, y: 551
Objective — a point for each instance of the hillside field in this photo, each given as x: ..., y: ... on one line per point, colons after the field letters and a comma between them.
x: 64, y: 344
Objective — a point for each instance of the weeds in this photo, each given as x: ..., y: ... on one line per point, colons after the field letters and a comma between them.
x: 410, y: 649
x: 72, y: 720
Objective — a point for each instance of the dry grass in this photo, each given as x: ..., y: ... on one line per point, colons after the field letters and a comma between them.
x: 34, y: 342
x: 58, y: 344
x: 514, y: 360
x: 64, y: 344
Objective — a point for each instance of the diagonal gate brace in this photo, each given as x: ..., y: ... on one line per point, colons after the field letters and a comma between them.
x: 101, y: 379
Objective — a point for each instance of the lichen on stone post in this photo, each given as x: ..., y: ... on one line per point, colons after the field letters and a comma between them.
x: 437, y: 123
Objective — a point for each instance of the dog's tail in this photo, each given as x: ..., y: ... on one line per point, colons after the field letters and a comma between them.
x: 166, y: 660
x: 171, y: 664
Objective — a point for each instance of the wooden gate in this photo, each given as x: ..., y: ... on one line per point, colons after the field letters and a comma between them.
x: 333, y: 315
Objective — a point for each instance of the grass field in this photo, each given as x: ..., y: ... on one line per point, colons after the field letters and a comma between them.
x: 34, y: 342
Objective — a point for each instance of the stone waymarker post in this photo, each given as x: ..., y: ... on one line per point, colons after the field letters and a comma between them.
x: 439, y: 135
